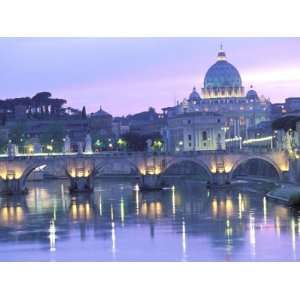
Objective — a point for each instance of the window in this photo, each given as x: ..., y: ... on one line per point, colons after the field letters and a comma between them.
x: 219, y: 120
x: 190, y: 137
x: 189, y: 121
x: 204, y: 135
x: 190, y: 144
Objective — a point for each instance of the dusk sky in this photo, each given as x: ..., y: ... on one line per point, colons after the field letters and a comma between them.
x: 129, y: 75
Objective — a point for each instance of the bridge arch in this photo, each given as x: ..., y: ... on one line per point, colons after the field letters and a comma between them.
x: 198, y: 163
x: 100, y: 166
x: 244, y: 160
x: 34, y: 165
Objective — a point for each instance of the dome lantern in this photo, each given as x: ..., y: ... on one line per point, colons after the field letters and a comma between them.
x: 221, y: 53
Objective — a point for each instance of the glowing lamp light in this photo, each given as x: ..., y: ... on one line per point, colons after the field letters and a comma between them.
x: 49, y: 147
x: 213, y: 169
x: 121, y: 142
x: 10, y: 176
x: 72, y: 173
x: 157, y: 144
x: 263, y: 139
x: 98, y: 143
x: 30, y: 148
x: 157, y: 170
x: 227, y: 167
x: 235, y: 139
x: 143, y: 171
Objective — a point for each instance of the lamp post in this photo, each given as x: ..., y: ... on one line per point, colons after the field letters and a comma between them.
x: 180, y: 146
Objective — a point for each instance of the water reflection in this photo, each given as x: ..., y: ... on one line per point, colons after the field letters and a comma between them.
x: 81, y: 209
x: 52, y: 235
x: 119, y: 222
x: 12, y: 211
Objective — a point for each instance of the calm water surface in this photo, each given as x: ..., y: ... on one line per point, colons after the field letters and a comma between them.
x: 116, y: 223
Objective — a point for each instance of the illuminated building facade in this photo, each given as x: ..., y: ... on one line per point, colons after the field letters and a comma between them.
x: 194, y: 131
x: 223, y: 93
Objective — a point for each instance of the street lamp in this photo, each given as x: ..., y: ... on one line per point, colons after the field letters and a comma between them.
x: 180, y: 145
x: 49, y: 147
x: 121, y: 143
x: 157, y: 145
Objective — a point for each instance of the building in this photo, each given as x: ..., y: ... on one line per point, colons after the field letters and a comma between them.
x: 100, y: 123
x: 120, y: 126
x: 146, y: 123
x: 291, y: 105
x: 194, y: 131
x: 223, y: 93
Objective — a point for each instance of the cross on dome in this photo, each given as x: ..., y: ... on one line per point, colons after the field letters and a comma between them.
x: 221, y: 53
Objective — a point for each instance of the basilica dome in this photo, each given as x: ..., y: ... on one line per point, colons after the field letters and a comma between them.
x: 222, y: 74
x: 252, y: 94
x: 194, y: 95
x: 222, y: 79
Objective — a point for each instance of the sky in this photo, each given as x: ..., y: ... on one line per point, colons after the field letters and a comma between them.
x: 128, y: 75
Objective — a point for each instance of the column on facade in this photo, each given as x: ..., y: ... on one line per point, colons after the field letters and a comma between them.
x: 213, y: 139
x: 168, y: 137
x: 194, y: 137
x: 234, y: 128
x: 246, y: 128
x: 238, y: 127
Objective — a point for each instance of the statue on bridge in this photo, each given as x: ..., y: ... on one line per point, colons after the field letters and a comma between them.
x: 67, y: 144
x: 149, y: 145
x: 12, y: 149
x: 88, y: 144
x: 290, y: 141
x: 80, y: 147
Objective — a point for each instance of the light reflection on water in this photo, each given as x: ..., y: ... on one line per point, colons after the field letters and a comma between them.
x: 117, y: 222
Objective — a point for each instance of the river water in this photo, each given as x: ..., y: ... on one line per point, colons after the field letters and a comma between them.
x: 117, y: 223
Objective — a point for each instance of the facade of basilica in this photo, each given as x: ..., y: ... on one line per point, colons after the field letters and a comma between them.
x: 223, y: 99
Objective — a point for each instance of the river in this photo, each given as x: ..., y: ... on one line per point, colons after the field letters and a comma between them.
x: 118, y: 223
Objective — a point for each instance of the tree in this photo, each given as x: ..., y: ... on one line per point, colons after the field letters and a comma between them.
x: 17, y: 133
x: 83, y: 113
x: 41, y: 96
x: 99, y: 142
x: 121, y: 144
x: 137, y: 142
x: 3, y: 143
x: 52, y: 139
x: 157, y: 145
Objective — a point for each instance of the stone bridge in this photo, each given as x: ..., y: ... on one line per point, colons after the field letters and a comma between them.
x: 219, y: 166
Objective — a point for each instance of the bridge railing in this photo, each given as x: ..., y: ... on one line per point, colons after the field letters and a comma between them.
x: 213, y: 152
x: 72, y: 154
x: 137, y: 153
